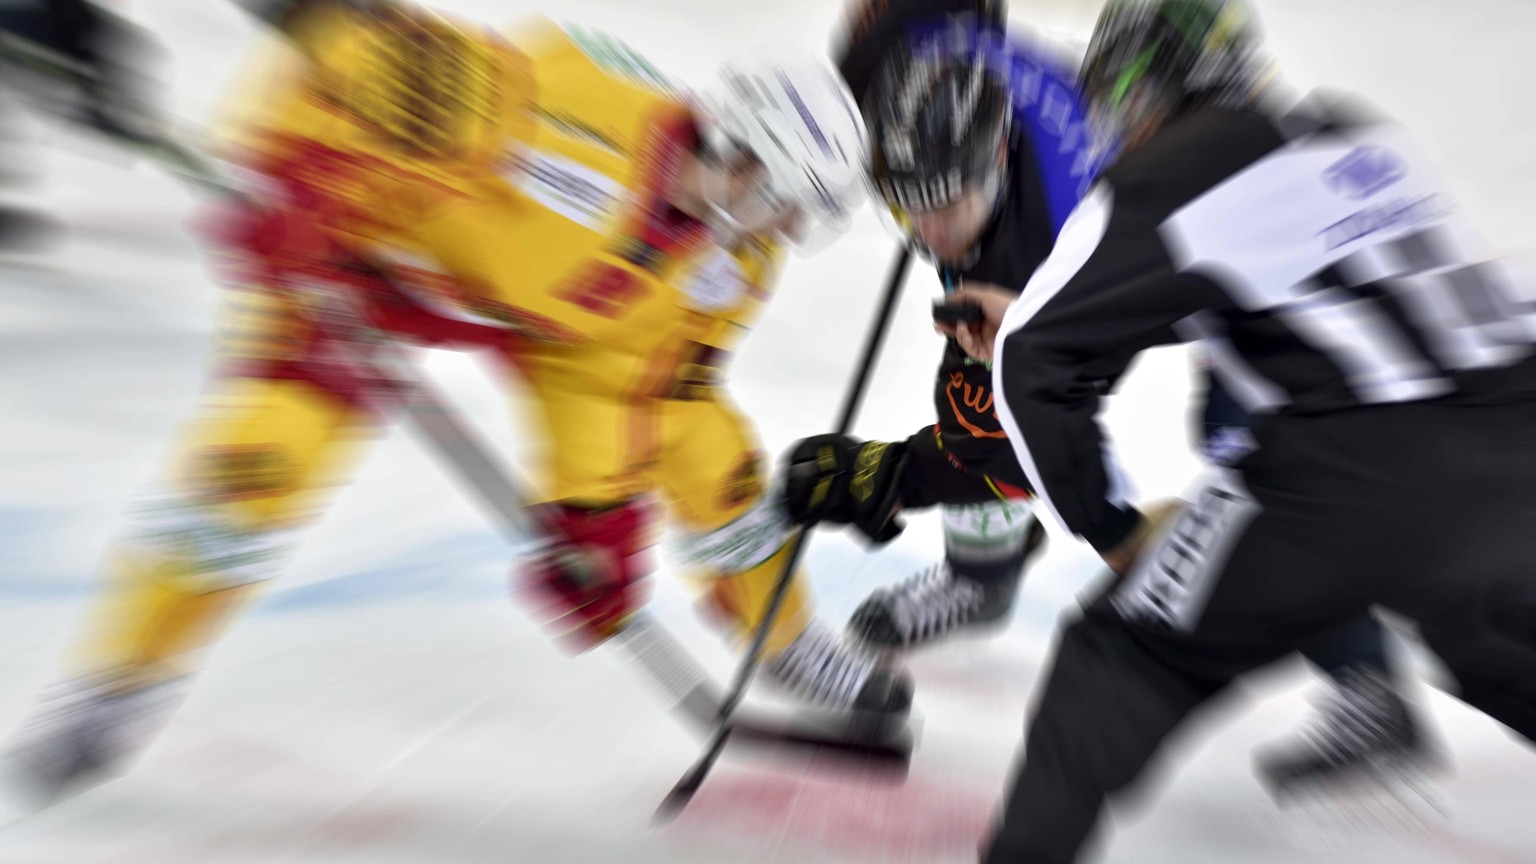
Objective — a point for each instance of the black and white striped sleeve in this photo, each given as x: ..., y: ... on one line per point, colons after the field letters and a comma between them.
x: 1108, y: 291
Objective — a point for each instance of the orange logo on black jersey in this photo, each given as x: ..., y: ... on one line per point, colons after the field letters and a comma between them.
x: 977, y: 402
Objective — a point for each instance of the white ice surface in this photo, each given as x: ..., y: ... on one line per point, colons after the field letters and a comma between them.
x: 386, y: 704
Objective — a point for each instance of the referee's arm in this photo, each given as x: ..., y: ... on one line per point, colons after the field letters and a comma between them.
x: 1107, y: 293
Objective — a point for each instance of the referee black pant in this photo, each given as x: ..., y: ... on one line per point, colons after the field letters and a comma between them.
x: 1426, y: 509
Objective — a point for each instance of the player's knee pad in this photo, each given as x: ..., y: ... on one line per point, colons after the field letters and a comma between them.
x: 987, y: 533
x: 740, y: 544
x: 198, y: 548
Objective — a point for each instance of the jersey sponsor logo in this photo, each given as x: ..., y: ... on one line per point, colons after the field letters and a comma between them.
x: 1364, y: 172
x: 1228, y: 445
x: 220, y: 552
x: 716, y: 284
x: 987, y: 523
x: 584, y: 196
x: 1396, y: 214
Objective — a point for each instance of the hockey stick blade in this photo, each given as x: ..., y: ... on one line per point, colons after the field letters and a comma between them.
x: 698, y: 701
x: 891, y: 753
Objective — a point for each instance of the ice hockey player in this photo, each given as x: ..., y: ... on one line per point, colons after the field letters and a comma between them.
x: 1352, y: 308
x: 1019, y: 171
x: 1020, y: 166
x: 546, y: 194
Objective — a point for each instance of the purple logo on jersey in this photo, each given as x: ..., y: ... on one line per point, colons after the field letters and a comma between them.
x: 1364, y: 172
x: 805, y: 114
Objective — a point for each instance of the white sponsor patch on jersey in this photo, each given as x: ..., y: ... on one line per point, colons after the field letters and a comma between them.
x: 717, y: 283
x: 584, y: 196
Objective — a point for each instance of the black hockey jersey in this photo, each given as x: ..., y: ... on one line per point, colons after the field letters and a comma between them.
x: 1311, y: 250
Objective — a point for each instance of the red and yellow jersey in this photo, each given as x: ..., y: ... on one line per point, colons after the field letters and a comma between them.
x: 519, y: 178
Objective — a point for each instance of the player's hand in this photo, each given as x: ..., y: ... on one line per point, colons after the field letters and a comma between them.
x: 976, y: 338
x: 845, y: 481
x: 589, y: 583
x: 580, y: 594
x: 1124, y: 556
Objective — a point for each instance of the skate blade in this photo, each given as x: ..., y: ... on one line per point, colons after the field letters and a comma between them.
x: 1384, y: 802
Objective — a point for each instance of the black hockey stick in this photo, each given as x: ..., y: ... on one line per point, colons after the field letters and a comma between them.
x: 644, y: 639
x: 725, y: 724
x: 182, y: 160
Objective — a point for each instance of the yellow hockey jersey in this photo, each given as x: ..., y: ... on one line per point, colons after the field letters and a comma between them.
x: 517, y: 178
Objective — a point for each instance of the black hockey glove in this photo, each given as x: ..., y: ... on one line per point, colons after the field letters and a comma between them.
x: 838, y: 479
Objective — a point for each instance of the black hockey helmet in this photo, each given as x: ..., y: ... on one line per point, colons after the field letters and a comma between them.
x: 939, y: 117
x: 876, y: 28
x: 1151, y: 59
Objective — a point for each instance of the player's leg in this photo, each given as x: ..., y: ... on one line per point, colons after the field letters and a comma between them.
x: 1368, y: 725
x: 1105, y: 709
x: 592, y: 446
x: 1491, y: 652
x: 275, y: 432
x: 254, y: 466
x: 990, y: 535
x: 1368, y: 719
x: 1226, y: 588
x: 1479, y: 611
x: 736, y: 546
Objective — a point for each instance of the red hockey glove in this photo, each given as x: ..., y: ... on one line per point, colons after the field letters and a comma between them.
x: 593, y: 578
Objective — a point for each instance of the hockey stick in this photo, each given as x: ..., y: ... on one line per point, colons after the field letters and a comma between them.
x: 645, y: 640
x: 160, y: 148
x: 684, y: 791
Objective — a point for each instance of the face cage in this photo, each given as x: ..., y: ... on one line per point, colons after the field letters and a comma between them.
x: 898, y: 220
x: 764, y: 207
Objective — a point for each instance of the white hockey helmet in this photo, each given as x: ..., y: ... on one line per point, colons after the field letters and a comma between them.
x: 798, y: 119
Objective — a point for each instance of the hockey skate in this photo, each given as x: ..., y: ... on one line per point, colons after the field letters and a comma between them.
x: 830, y: 674
x: 1361, y: 769
x: 80, y: 735
x: 935, y: 604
